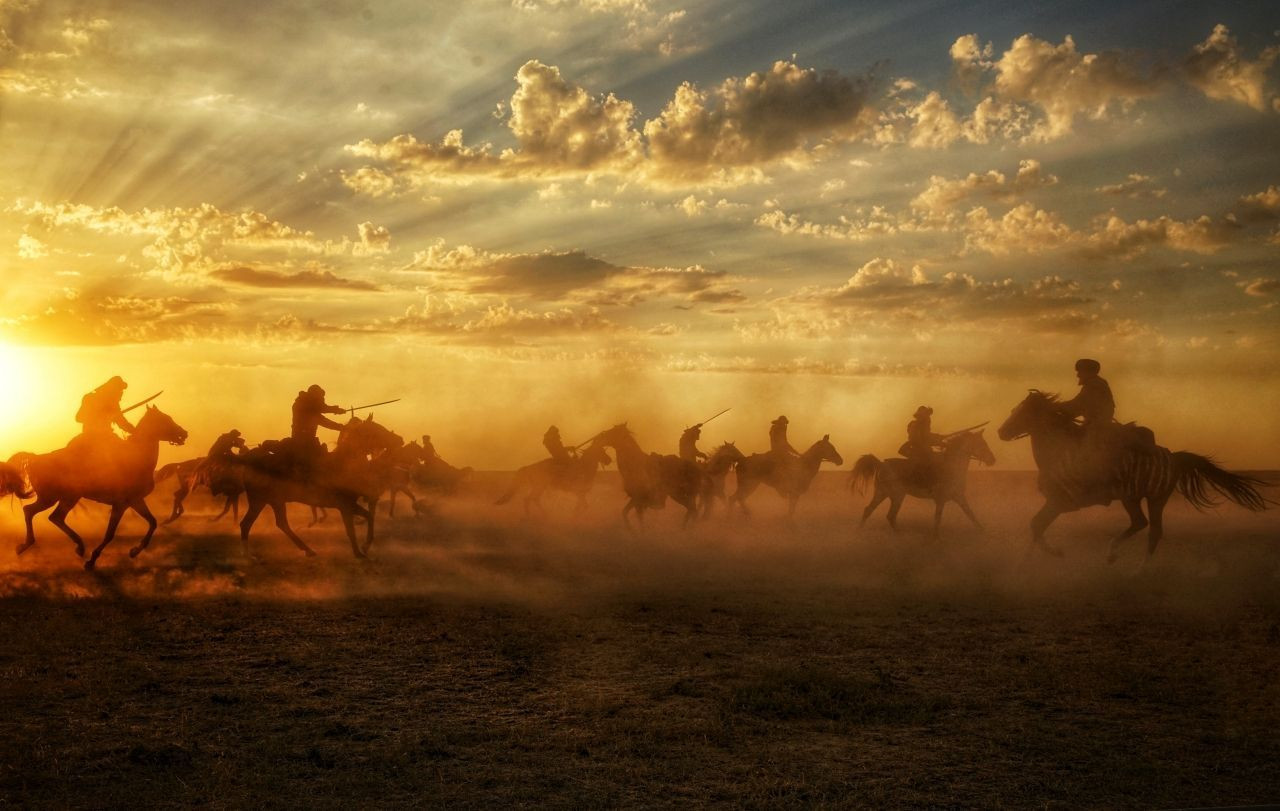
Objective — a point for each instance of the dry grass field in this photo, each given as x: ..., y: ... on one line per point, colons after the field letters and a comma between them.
x: 482, y: 659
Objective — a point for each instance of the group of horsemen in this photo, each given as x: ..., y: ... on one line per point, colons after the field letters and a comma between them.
x: 100, y: 410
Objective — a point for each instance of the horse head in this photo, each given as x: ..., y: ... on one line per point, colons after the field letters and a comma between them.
x: 974, y: 446
x: 1028, y: 416
x: 597, y: 455
x: 368, y: 437
x: 825, y: 451
x: 612, y: 436
x: 728, y: 451
x: 157, y: 425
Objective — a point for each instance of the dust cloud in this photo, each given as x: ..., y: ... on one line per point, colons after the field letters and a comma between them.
x: 465, y: 548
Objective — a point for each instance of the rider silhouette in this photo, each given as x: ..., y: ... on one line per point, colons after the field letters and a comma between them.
x: 428, y: 450
x: 1094, y: 405
x: 100, y: 409
x: 551, y: 441
x: 309, y: 408
x: 918, y: 449
x: 778, y: 444
x: 689, y: 444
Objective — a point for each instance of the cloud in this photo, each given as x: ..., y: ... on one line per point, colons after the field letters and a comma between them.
x: 754, y: 120
x: 942, y: 193
x: 1135, y: 186
x: 722, y: 135
x: 876, y: 223
x: 373, y: 239
x: 1113, y: 237
x: 645, y: 28
x: 31, y: 248
x: 103, y: 320
x: 252, y: 277
x: 879, y: 276
x: 1022, y: 229
x: 559, y: 128
x: 1217, y: 68
x: 1066, y: 84
x: 1261, y: 288
x: 1260, y: 207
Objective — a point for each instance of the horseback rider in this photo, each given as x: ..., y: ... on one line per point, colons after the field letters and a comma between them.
x: 778, y: 444
x: 552, y: 442
x: 689, y: 444
x: 918, y: 449
x: 226, y: 445
x: 309, y: 409
x: 1094, y: 405
x: 214, y: 469
x: 100, y: 409
x: 428, y: 450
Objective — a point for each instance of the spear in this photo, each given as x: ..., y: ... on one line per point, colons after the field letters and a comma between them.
x: 709, y: 419
x: 965, y: 430
x: 354, y: 409
x: 141, y: 402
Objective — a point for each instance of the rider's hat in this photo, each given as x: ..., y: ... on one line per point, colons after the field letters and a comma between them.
x: 314, y: 389
x: 783, y: 419
x: 116, y: 383
x: 234, y: 432
x: 923, y: 411
x: 1088, y: 365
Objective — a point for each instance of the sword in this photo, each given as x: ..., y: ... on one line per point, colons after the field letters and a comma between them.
x: 141, y: 402
x: 354, y: 409
x: 966, y: 430
x: 709, y: 419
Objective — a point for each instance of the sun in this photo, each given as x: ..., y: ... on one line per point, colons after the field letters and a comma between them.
x: 21, y: 391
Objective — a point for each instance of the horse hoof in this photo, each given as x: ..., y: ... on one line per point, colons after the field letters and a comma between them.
x: 89, y: 564
x: 311, y: 553
x: 22, y: 547
x: 134, y: 552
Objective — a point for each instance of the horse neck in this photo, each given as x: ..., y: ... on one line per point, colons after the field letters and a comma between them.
x: 957, y: 454
x: 147, y: 447
x: 1048, y: 440
x: 628, y: 450
x: 812, y: 458
x: 720, y: 462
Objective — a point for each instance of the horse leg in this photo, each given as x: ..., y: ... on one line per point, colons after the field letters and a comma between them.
x: 251, y: 514
x: 1039, y: 523
x: 876, y: 499
x: 140, y: 507
x: 281, y: 512
x: 964, y: 505
x: 226, y: 508
x: 1155, y: 506
x: 1137, y: 522
x: 626, y: 508
x: 895, y: 504
x: 368, y: 531
x: 117, y: 511
x: 939, y: 505
x: 391, y: 504
x: 179, y: 496
x: 349, y: 523
x: 59, y: 519
x: 30, y: 511
x: 745, y: 488
x: 317, y: 515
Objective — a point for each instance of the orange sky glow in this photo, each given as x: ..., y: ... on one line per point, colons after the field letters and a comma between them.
x: 583, y: 212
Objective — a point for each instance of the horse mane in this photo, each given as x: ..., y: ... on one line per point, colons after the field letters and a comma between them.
x: 1045, y: 396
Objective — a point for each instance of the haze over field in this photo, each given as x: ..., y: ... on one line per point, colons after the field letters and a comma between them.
x: 519, y: 213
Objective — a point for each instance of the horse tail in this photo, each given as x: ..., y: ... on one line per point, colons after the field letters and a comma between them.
x: 864, y: 470
x: 1196, y: 476
x: 15, y: 477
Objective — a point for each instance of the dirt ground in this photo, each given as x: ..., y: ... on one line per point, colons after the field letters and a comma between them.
x: 483, y: 659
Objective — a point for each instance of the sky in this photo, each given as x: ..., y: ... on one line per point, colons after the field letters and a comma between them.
x: 517, y: 213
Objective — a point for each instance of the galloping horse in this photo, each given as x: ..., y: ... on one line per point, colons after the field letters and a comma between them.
x: 894, y: 483
x: 193, y: 473
x: 649, y: 479
x: 790, y: 476
x: 338, y: 480
x: 574, y: 476
x: 107, y: 470
x: 1069, y: 479
x: 715, y: 470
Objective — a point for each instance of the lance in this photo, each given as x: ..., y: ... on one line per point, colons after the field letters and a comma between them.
x: 141, y: 402
x: 709, y: 419
x: 354, y: 409
x: 588, y: 442
x: 966, y: 430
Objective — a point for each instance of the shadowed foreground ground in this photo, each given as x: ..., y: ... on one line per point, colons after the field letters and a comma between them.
x: 480, y: 660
